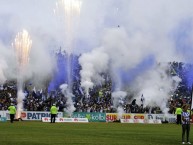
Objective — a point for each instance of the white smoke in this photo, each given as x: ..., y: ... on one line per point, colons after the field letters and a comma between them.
x: 93, y: 64
x: 118, y: 101
x: 156, y: 86
x: 141, y: 34
x: 120, y: 112
x: 145, y: 28
x: 3, y: 66
x: 117, y: 97
x: 124, y: 53
x: 20, y: 98
x: 41, y: 64
x: 7, y: 63
x: 69, y: 103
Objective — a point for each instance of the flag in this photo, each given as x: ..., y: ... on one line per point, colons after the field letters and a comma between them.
x: 41, y: 91
x: 34, y: 89
x: 81, y: 91
x: 142, y: 99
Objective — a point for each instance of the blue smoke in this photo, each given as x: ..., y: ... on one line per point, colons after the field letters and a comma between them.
x: 61, y: 74
x: 128, y: 76
x: 189, y: 75
x: 183, y: 39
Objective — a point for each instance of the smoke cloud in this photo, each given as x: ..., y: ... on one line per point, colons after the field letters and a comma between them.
x: 41, y: 63
x: 156, y: 86
x: 139, y: 31
x: 93, y: 64
x: 115, y: 36
x: 3, y: 66
x: 69, y: 103
x: 118, y: 97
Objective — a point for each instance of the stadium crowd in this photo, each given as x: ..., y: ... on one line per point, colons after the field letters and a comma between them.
x: 100, y: 99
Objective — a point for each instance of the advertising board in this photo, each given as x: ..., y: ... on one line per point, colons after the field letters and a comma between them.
x: 142, y: 121
x: 111, y: 117
x: 30, y: 115
x: 72, y: 120
x: 92, y: 117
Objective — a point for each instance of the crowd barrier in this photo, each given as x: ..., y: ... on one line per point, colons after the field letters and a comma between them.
x: 95, y: 117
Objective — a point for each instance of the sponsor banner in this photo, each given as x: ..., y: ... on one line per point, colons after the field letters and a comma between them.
x: 60, y: 120
x: 156, y: 116
x: 148, y: 121
x: 171, y: 118
x: 3, y: 119
x: 151, y: 121
x: 33, y: 115
x: 30, y: 115
x: 4, y: 113
x: 138, y: 116
x: 92, y: 117
x: 133, y: 121
x: 127, y: 120
x: 110, y: 117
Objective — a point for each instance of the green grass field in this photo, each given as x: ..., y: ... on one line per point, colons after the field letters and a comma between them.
x: 38, y: 133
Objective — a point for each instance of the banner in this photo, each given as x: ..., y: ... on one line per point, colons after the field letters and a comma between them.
x: 30, y: 115
x: 62, y: 120
x: 171, y: 118
x: 3, y: 119
x: 33, y: 115
x: 110, y: 117
x: 92, y: 117
x: 5, y: 114
x: 142, y: 121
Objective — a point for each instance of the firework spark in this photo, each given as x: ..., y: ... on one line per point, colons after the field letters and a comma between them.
x: 68, y: 12
x: 69, y: 7
x: 22, y: 45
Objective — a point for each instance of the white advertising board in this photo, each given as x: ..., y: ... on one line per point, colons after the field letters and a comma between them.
x: 60, y: 120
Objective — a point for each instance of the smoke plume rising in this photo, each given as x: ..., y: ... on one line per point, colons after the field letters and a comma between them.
x: 69, y: 103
